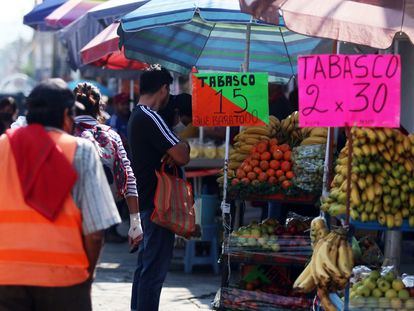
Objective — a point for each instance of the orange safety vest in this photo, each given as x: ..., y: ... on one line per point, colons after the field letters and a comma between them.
x: 34, y: 250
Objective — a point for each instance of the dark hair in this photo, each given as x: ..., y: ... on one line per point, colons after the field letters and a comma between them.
x: 168, y: 113
x: 183, y: 103
x: 47, y: 102
x: 6, y: 120
x: 152, y: 80
x: 6, y: 102
x: 90, y: 96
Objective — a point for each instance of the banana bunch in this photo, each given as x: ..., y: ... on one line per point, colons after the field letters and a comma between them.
x: 275, y: 125
x: 316, y: 136
x: 318, y: 230
x: 382, y: 178
x: 329, y: 268
x: 289, y: 131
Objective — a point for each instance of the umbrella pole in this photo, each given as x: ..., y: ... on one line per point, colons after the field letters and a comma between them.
x: 131, y: 94
x: 225, y: 207
x: 119, y: 85
x: 247, y: 50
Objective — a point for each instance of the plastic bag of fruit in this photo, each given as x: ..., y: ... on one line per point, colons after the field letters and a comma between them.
x: 308, y: 164
x: 297, y: 224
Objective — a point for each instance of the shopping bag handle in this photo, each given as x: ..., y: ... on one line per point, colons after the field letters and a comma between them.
x: 162, y: 169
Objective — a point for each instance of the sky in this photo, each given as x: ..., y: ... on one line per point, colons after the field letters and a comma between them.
x: 11, y: 21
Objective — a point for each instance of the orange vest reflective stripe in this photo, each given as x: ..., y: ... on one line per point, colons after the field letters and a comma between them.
x: 33, y: 250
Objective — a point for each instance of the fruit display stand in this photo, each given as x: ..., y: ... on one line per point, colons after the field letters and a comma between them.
x: 262, y: 167
x: 386, y: 205
x: 270, y: 247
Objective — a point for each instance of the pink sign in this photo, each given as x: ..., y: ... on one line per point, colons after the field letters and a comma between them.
x: 349, y: 90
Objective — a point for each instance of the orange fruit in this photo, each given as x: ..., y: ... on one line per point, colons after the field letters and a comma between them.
x: 286, y: 166
x: 282, y: 178
x: 273, y: 148
x: 254, y: 163
x: 235, y: 181
x: 265, y: 156
x: 257, y: 170
x: 275, y: 164
x: 256, y: 156
x: 273, y: 142
x: 284, y: 147
x: 264, y: 165
x: 286, y: 184
x: 245, y: 180
x: 278, y: 154
x: 261, y: 147
x: 240, y: 173
x: 270, y: 172
x: 287, y: 155
x: 247, y: 168
x: 272, y: 180
x: 290, y: 175
x: 251, y: 175
x: 262, y: 177
x: 279, y: 173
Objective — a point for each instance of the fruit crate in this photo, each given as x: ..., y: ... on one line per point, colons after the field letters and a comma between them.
x: 374, y: 225
x: 245, y: 300
x: 266, y: 257
x: 370, y: 304
x: 283, y: 198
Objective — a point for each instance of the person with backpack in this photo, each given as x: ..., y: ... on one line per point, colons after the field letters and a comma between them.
x: 114, y: 158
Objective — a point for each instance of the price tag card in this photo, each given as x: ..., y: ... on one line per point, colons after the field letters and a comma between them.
x: 349, y: 90
x: 230, y: 99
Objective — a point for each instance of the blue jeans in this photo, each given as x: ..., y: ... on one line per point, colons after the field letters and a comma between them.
x: 154, y: 257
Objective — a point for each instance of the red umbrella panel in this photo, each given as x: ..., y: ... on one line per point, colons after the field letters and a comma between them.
x: 103, y: 51
x: 69, y: 12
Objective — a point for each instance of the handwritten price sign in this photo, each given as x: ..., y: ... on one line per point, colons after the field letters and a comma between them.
x: 347, y: 90
x: 230, y: 99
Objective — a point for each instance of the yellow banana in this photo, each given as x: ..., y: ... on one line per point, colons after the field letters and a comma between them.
x: 355, y: 197
x: 319, y: 131
x: 257, y: 130
x: 305, y: 283
x: 381, y: 136
x: 345, y: 263
x: 313, y: 140
x: 371, y: 134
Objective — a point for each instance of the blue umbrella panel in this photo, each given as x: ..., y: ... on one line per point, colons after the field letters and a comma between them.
x: 218, y: 47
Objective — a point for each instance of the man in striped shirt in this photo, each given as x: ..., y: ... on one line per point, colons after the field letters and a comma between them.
x: 151, y: 142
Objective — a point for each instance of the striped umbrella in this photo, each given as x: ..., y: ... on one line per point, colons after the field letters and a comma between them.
x: 103, y: 51
x: 75, y: 36
x: 69, y: 11
x: 211, y: 35
x: 36, y: 17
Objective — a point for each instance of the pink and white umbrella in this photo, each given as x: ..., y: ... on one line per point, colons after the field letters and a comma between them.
x: 69, y: 12
x: 368, y: 22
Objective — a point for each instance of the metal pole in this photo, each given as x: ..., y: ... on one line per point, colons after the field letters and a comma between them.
x: 247, y: 49
x: 131, y: 94
x: 393, y: 238
x: 392, y: 256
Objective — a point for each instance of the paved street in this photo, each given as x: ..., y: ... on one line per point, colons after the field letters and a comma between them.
x: 181, y: 292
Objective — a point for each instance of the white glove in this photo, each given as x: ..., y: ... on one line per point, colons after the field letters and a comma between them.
x: 135, y: 229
